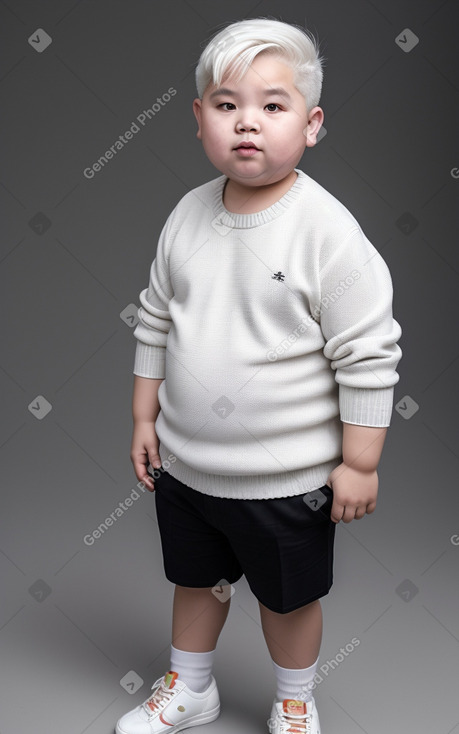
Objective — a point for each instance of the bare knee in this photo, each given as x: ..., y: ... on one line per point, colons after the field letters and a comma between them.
x: 203, y: 592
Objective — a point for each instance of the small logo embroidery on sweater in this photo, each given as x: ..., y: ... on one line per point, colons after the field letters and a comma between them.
x: 278, y: 276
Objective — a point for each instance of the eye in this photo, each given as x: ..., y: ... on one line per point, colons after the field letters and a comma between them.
x: 271, y: 105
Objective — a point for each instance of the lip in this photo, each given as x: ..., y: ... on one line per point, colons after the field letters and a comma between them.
x: 247, y: 152
x: 246, y: 144
x: 247, y: 149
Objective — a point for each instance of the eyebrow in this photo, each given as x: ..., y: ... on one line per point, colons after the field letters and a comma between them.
x: 267, y: 92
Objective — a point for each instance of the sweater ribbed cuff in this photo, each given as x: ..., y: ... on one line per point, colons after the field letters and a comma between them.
x: 366, y: 407
x: 150, y: 361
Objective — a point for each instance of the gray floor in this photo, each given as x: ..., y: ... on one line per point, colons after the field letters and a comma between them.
x: 77, y: 619
x: 106, y: 618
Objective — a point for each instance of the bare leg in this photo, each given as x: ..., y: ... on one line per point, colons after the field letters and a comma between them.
x: 197, y: 619
x: 293, y: 639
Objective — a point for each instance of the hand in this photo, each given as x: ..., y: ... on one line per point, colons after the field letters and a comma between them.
x: 144, y: 451
x: 354, y: 493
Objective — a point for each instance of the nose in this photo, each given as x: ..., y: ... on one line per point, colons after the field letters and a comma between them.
x: 247, y: 124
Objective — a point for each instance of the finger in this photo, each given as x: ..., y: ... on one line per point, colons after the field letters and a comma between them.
x: 155, y: 459
x: 349, y: 513
x: 140, y: 469
x: 148, y: 480
x: 337, y: 510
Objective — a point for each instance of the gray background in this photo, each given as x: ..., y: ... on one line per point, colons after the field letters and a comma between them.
x: 76, y: 619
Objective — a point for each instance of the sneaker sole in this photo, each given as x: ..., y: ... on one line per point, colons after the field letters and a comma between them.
x: 204, y: 718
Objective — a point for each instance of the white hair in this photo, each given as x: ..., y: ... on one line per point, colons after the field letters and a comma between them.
x: 233, y: 49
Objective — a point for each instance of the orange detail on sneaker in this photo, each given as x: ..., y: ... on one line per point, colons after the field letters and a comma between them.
x: 161, y: 718
x: 296, y: 716
x: 292, y: 706
x: 167, y: 684
x: 169, y: 679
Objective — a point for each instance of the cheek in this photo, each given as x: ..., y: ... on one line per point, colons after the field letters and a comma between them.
x: 213, y: 135
x: 284, y: 148
x: 211, y: 125
x: 289, y: 139
x: 214, y: 118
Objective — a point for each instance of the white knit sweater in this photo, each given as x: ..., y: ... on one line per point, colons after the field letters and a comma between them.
x: 270, y: 329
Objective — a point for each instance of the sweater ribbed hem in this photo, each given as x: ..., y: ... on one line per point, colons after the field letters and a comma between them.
x: 254, y: 487
x: 366, y: 407
x: 150, y: 361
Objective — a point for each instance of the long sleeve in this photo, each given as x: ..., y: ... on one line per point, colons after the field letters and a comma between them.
x: 154, y: 318
x: 360, y: 331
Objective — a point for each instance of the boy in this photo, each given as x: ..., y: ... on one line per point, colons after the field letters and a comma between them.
x: 264, y: 376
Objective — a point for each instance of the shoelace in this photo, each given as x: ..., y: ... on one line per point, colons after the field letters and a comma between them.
x: 157, y: 698
x: 297, y: 724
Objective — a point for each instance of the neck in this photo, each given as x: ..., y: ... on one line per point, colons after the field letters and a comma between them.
x: 241, y: 199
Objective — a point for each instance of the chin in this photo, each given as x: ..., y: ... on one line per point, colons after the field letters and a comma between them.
x: 255, y: 180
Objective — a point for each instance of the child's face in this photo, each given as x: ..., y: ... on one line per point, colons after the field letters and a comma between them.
x: 249, y: 111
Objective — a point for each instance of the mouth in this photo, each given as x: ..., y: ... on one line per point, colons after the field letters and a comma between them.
x: 246, y: 149
x: 248, y: 145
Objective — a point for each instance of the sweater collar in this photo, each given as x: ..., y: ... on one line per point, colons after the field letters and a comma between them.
x: 245, y: 221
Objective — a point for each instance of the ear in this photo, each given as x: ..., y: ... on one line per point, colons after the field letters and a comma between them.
x: 197, y: 104
x: 315, y: 121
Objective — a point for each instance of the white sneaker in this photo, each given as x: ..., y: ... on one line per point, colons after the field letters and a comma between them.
x: 171, y: 708
x: 294, y: 716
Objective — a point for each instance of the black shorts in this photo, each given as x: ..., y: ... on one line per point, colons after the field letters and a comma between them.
x: 283, y: 546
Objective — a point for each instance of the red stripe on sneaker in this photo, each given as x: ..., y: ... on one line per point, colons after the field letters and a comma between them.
x: 164, y: 720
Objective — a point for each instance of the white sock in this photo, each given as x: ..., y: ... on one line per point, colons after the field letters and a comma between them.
x: 194, y: 668
x: 293, y: 683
